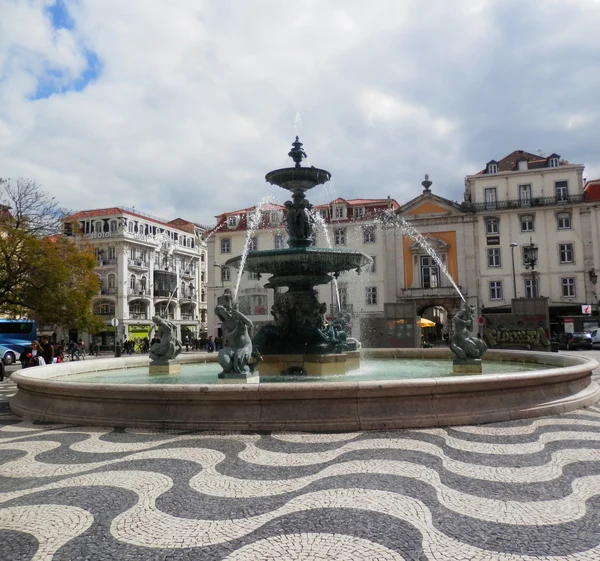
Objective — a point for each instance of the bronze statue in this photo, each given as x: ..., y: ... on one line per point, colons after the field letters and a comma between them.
x: 168, y: 346
x: 462, y: 344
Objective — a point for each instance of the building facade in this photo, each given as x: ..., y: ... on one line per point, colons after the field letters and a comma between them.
x: 146, y: 266
x: 525, y: 199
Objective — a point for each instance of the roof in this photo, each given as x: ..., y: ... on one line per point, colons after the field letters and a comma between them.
x: 591, y: 191
x: 122, y: 210
x: 510, y: 162
x: 265, y: 207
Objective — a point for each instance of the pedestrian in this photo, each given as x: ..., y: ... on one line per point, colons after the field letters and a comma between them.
x: 210, y: 345
x: 187, y: 344
x: 47, y: 350
x: 35, y: 356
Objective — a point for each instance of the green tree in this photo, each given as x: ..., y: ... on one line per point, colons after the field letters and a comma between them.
x: 43, y: 274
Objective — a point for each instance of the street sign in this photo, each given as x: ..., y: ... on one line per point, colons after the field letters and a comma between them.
x: 114, y: 322
x: 586, y: 309
x: 481, y: 320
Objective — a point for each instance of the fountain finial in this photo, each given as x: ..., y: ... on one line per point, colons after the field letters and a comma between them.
x: 426, y: 184
x: 297, y: 153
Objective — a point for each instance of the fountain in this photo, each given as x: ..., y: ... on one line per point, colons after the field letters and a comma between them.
x: 300, y: 340
x: 392, y: 388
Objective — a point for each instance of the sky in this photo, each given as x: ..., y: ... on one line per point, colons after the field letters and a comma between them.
x: 180, y: 108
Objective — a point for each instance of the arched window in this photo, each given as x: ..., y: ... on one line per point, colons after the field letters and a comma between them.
x: 191, y: 290
x: 113, y: 225
x: 182, y: 294
x: 112, y: 281
x: 98, y: 226
x: 132, y: 282
x: 143, y: 283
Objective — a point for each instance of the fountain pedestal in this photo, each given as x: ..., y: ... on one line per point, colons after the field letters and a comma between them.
x: 466, y: 366
x: 310, y: 364
x: 165, y: 366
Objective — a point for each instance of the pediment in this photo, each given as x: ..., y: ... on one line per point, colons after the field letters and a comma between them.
x: 438, y: 245
x: 429, y: 204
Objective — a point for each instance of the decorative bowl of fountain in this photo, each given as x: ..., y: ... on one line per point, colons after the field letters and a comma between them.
x: 301, y: 372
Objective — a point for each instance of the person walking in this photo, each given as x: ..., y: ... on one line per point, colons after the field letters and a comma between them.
x: 34, y: 357
x: 210, y: 345
x: 47, y: 350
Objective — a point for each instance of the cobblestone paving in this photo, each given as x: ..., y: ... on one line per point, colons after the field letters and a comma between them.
x: 506, y: 491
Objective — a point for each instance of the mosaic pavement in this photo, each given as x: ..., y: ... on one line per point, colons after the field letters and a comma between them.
x: 520, y: 490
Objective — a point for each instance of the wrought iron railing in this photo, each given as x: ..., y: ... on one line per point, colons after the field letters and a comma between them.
x: 139, y: 263
x: 523, y: 203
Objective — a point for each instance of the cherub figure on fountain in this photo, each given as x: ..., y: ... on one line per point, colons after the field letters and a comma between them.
x: 237, y: 358
x: 468, y: 349
x: 166, y: 349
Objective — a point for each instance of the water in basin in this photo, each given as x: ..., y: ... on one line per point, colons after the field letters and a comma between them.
x: 370, y: 370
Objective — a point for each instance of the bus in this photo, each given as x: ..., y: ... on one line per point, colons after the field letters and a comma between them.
x: 15, y: 335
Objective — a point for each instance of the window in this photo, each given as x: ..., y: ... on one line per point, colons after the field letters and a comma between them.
x: 371, y: 295
x: 492, y: 168
x: 253, y: 276
x: 562, y: 191
x: 113, y: 226
x: 373, y: 266
x: 493, y: 255
x: 490, y: 197
x: 565, y: 251
x: 225, y: 274
x: 279, y: 241
x: 340, y: 212
x: 112, y: 281
x: 527, y: 223
x: 568, y: 287
x: 132, y: 282
x: 232, y: 221
x: 339, y: 236
x: 563, y: 220
x: 202, y: 277
x: 430, y: 272
x: 525, y: 195
x: 553, y: 162
x: 492, y: 226
x: 369, y: 234
x: 530, y: 288
x: 496, y: 290
x: 225, y: 245
x: 112, y: 252
x: 359, y: 212
x: 523, y: 165
x: 343, y: 294
x: 98, y: 226
x: 130, y: 226
x: 253, y: 243
x: 143, y: 284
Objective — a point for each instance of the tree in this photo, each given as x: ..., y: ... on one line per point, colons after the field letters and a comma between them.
x: 43, y: 274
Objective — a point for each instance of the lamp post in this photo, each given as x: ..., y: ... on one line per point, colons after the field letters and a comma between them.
x: 530, y: 258
x: 512, y: 253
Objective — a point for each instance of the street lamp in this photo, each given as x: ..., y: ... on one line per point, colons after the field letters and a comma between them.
x: 512, y: 253
x: 215, y: 264
x: 530, y: 257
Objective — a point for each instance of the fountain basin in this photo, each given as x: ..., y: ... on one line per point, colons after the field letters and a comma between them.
x: 309, y: 263
x: 564, y: 384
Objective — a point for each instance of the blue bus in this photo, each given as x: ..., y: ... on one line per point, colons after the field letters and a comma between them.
x: 15, y: 335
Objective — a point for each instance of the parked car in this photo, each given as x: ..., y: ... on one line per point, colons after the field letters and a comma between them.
x: 8, y: 356
x: 579, y: 340
x: 595, y: 336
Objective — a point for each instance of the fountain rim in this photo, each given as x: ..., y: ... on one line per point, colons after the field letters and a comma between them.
x: 577, y: 365
x: 317, y: 176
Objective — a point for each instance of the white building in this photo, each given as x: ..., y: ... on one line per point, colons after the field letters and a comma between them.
x: 146, y: 266
x: 523, y: 199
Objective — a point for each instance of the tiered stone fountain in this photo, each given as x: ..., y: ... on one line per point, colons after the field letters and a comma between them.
x: 300, y: 340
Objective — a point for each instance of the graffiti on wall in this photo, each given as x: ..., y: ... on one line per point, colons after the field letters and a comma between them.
x: 508, y: 331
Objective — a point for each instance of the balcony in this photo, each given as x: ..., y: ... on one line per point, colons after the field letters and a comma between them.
x: 188, y: 295
x: 187, y: 317
x: 136, y: 291
x: 189, y: 273
x: 108, y: 291
x: 138, y: 315
x: 421, y: 293
x: 138, y: 264
x: 106, y: 262
x: 522, y: 203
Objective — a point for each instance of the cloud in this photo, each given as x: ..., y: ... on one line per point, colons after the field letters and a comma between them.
x: 181, y: 108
